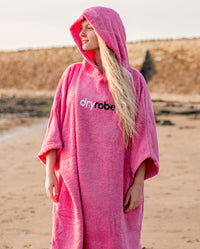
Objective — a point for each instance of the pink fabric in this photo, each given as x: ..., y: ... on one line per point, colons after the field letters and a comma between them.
x: 95, y: 169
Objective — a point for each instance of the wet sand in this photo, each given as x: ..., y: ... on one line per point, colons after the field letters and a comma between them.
x: 172, y: 199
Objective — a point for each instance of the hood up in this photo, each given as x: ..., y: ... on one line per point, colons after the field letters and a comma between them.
x: 108, y: 24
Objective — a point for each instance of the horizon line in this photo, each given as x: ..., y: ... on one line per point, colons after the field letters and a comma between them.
x: 71, y: 46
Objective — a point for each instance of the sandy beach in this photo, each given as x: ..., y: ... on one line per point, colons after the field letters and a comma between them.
x: 172, y: 199
x: 28, y: 80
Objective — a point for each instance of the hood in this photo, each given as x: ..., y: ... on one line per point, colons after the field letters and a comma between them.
x: 108, y: 24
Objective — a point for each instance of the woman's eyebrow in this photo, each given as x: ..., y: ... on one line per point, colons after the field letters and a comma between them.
x: 85, y: 25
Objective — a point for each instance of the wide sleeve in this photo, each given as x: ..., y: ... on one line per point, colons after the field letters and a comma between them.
x: 145, y: 144
x: 53, y: 137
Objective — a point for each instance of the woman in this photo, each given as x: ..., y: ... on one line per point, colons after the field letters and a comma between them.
x: 100, y: 142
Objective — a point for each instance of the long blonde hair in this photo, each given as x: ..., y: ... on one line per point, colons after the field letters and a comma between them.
x: 121, y: 86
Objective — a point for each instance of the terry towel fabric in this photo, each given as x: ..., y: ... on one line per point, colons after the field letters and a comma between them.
x: 95, y: 169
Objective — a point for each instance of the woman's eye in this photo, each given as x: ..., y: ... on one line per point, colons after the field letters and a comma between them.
x: 89, y: 28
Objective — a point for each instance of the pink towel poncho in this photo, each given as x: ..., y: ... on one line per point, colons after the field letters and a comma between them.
x: 95, y: 168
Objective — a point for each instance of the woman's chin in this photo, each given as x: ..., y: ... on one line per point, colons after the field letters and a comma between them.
x: 85, y: 48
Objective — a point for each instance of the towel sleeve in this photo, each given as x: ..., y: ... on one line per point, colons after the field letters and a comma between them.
x: 53, y: 137
x: 145, y: 144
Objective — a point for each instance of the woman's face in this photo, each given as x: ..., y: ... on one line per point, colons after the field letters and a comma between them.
x: 88, y: 37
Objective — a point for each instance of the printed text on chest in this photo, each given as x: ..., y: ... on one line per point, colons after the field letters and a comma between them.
x: 91, y: 105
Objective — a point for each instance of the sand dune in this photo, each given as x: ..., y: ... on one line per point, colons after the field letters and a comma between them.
x: 177, y: 63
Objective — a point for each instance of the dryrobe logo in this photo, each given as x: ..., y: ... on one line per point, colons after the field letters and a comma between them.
x: 89, y: 104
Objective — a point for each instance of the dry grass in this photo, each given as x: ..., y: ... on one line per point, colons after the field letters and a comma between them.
x: 177, y: 63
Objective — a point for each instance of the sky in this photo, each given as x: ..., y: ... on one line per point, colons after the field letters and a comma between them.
x: 45, y: 23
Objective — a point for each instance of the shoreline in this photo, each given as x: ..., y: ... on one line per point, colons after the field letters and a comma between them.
x: 17, y: 130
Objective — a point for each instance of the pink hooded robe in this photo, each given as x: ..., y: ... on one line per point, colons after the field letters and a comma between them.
x: 95, y: 169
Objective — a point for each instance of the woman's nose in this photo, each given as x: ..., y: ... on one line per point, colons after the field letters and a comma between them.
x: 82, y: 33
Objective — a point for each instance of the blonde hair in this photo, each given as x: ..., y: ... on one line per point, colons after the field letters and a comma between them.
x: 121, y: 86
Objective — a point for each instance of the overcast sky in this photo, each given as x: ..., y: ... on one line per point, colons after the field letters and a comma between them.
x: 45, y: 23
